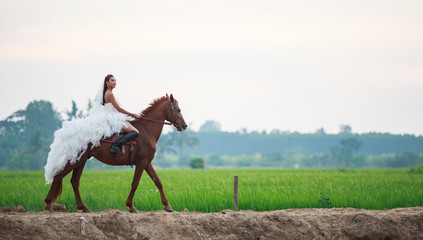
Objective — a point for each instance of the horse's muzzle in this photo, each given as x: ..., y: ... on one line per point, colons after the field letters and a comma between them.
x: 180, y: 126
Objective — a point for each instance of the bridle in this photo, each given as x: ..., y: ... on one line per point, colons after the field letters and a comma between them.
x: 175, y: 124
x: 152, y: 120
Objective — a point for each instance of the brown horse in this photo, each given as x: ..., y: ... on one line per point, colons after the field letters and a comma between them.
x: 150, y: 127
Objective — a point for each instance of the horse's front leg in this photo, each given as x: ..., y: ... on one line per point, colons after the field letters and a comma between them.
x: 137, y: 176
x: 153, y: 175
x: 76, y: 176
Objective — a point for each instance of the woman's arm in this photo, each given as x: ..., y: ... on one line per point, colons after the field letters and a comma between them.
x: 109, y: 97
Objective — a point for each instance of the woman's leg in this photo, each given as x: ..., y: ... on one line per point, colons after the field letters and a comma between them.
x: 131, y: 134
x: 129, y: 128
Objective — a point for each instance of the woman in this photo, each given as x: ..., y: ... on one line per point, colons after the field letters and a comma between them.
x: 105, y: 119
x: 109, y: 98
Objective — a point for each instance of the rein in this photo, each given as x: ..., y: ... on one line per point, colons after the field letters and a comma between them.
x: 152, y: 120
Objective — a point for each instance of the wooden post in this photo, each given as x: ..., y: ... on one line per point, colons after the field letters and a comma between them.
x: 235, y: 193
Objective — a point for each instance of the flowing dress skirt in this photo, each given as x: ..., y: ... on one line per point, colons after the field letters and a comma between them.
x: 71, y: 141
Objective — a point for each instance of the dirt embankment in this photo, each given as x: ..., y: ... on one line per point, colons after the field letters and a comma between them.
x: 345, y: 223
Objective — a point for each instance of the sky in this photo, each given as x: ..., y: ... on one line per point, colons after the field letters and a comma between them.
x: 260, y: 65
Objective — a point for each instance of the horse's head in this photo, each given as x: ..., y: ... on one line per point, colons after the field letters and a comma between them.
x: 174, y: 115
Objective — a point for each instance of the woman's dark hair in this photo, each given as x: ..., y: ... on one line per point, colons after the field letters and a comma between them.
x: 106, y: 79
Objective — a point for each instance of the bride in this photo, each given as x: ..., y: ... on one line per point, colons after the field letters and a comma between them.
x: 113, y: 106
x: 105, y: 118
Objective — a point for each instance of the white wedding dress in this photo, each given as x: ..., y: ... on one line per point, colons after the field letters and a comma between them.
x: 70, y: 142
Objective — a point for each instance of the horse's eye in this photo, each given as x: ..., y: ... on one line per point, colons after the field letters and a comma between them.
x: 179, y: 110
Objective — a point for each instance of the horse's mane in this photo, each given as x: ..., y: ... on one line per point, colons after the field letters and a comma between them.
x: 153, y: 105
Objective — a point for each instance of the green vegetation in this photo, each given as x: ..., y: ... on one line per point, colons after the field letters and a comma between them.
x: 196, y: 163
x: 259, y: 190
x: 290, y: 160
x: 417, y: 169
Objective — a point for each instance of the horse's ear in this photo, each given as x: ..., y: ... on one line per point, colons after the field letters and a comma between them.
x: 171, y: 98
x: 167, y: 96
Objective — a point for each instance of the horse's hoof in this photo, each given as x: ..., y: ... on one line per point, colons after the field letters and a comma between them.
x: 86, y: 210
x: 168, y: 209
x: 133, y: 211
x: 48, y: 209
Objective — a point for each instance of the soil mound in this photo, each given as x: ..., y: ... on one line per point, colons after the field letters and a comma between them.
x: 12, y: 209
x: 340, y: 223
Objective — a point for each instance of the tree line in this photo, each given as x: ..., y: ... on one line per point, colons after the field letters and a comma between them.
x: 237, y: 143
x: 25, y: 137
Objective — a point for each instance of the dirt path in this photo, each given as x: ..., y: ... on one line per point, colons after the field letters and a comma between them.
x: 345, y: 223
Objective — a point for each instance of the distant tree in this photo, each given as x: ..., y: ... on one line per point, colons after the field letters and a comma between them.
x: 165, y: 145
x: 11, y: 130
x: 17, y: 161
x: 183, y: 140
x: 27, y: 133
x: 334, y: 152
x: 9, y: 146
x: 210, y: 126
x: 196, y: 163
x: 41, y: 115
x: 74, y: 112
x: 405, y: 159
x: 345, y: 129
x: 320, y: 131
x: 346, y: 149
x: 89, y: 105
x: 13, y: 125
x: 215, y: 160
x: 243, y: 131
x: 350, y: 145
x: 35, y: 150
x: 273, y: 159
x: 276, y: 131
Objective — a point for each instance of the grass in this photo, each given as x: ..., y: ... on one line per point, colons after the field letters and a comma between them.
x: 259, y: 190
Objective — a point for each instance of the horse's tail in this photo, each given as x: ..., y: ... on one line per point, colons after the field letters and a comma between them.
x: 58, y: 192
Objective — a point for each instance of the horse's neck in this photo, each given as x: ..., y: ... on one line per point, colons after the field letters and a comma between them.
x: 153, y: 129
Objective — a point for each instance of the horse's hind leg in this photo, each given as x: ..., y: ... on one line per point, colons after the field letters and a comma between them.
x: 153, y: 175
x: 76, y: 175
x: 56, y: 187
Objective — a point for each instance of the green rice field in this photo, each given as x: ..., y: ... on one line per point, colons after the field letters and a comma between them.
x: 259, y: 189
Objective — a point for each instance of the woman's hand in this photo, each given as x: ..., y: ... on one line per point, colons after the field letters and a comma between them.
x: 136, y: 116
